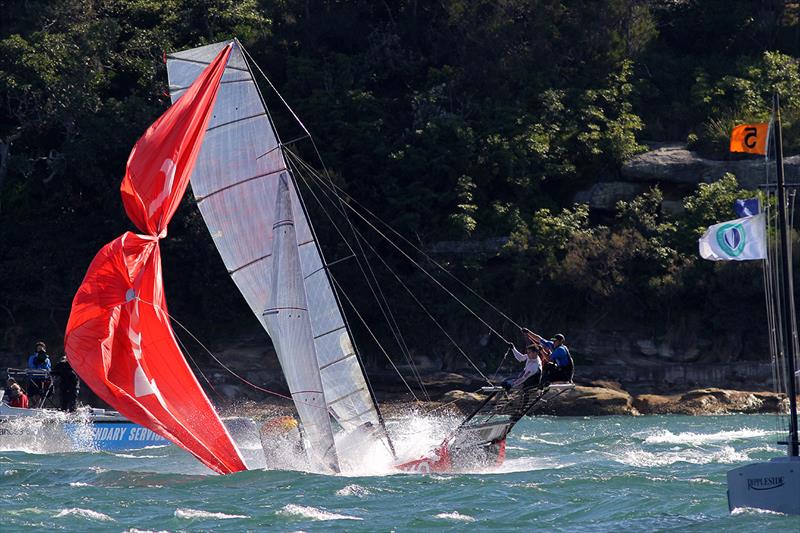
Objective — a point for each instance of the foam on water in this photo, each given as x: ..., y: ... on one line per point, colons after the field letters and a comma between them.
x: 455, y: 515
x: 353, y: 490
x: 84, y: 513
x: 644, y: 458
x: 696, y: 439
x: 190, y: 514
x: 313, y: 513
x: 610, y: 476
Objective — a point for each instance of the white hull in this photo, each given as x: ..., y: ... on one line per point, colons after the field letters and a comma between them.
x: 772, y: 486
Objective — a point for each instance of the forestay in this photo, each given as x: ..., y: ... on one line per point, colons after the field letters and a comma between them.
x: 236, y: 184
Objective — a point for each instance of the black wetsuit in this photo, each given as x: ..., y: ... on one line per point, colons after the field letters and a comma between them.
x: 68, y: 385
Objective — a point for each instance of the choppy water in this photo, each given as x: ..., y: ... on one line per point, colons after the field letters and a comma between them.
x: 651, y: 473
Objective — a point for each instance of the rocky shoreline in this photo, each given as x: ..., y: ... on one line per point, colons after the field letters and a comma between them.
x: 592, y: 399
x: 608, y: 398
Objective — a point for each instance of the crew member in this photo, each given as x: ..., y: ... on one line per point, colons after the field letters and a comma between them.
x: 68, y: 385
x: 560, y: 366
x: 17, y: 397
x: 39, y: 384
x: 532, y: 373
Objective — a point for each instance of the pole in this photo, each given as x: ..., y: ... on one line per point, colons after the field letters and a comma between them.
x: 786, y: 283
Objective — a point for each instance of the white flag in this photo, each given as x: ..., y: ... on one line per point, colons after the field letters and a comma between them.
x: 742, y: 239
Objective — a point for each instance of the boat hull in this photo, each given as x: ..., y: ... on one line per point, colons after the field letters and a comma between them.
x: 772, y: 486
x: 445, y: 459
x: 49, y: 429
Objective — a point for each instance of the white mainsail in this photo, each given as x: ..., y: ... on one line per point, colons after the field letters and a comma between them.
x: 236, y: 182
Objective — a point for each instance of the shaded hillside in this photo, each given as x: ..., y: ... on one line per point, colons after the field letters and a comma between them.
x: 521, y: 124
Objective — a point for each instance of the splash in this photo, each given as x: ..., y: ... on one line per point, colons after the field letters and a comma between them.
x: 48, y: 431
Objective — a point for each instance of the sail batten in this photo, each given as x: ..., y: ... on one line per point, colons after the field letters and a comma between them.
x: 240, y: 173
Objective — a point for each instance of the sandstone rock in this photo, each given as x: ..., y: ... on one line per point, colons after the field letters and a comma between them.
x: 588, y: 401
x: 711, y: 401
x: 673, y: 163
x: 464, y: 399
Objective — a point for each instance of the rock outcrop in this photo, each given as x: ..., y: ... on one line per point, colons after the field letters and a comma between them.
x: 602, y: 398
x: 674, y: 163
x: 711, y: 401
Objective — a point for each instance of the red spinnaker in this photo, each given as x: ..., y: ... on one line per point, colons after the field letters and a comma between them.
x: 119, y: 339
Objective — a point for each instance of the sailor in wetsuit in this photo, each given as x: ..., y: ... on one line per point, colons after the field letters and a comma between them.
x: 68, y: 385
x: 532, y: 373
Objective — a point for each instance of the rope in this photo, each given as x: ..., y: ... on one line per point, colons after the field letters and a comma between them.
x: 196, y: 366
x: 418, y: 302
x: 387, y: 311
x: 414, y: 262
x: 411, y: 244
x: 336, y: 282
x: 223, y: 365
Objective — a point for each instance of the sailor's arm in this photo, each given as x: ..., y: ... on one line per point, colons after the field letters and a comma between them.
x: 531, y: 335
x: 517, y: 354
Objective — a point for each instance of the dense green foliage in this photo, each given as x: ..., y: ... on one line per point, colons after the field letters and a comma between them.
x: 455, y: 120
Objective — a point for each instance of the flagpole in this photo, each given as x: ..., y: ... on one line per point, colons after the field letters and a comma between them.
x: 786, y: 282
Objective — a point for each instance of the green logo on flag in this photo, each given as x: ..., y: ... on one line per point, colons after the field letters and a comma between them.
x: 731, y: 238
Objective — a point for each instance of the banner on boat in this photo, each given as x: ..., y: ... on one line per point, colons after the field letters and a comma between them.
x: 750, y: 138
x: 119, y: 338
x: 742, y: 239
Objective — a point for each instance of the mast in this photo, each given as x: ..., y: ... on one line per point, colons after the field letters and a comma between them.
x: 339, y: 303
x: 786, y: 284
x: 325, y: 265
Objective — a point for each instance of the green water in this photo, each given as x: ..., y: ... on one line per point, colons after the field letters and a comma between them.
x: 654, y: 473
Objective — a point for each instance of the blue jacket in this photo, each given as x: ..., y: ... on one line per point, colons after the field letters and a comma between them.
x: 33, y: 364
x: 560, y: 355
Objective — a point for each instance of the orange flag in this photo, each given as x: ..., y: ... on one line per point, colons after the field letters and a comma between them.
x: 750, y: 138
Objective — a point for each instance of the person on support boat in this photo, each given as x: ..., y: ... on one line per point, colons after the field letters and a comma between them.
x: 532, y: 373
x: 39, y: 385
x: 68, y: 385
x: 17, y: 396
x: 560, y: 366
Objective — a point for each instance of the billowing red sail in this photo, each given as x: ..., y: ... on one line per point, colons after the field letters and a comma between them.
x: 119, y: 338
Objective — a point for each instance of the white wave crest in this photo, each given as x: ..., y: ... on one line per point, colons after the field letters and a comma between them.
x: 189, y: 514
x: 313, y: 513
x: 642, y: 458
x: 455, y: 515
x: 84, y: 513
x: 79, y: 484
x: 540, y: 440
x: 353, y: 490
x: 696, y: 439
x: 753, y: 510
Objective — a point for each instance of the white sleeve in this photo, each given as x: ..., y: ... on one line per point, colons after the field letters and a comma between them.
x: 517, y: 355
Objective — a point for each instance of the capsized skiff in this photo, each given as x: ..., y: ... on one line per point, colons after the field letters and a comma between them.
x: 119, y: 338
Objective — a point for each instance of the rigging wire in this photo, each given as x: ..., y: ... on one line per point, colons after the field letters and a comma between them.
x: 216, y: 359
x: 421, y: 252
x: 422, y: 306
x: 197, y: 366
x: 336, y: 282
x: 405, y: 254
x: 386, y: 311
x: 348, y: 197
x: 284, y: 150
